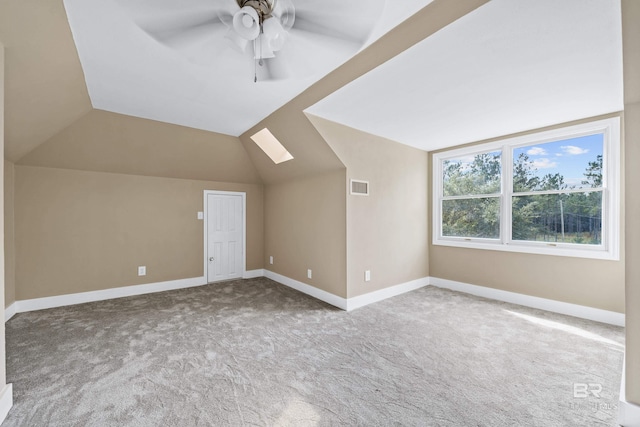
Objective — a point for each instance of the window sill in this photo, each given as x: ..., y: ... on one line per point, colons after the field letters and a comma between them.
x: 529, y: 248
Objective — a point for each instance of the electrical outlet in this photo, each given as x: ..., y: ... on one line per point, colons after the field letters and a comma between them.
x: 367, y: 275
x: 142, y: 270
x: 271, y: 260
x: 309, y: 273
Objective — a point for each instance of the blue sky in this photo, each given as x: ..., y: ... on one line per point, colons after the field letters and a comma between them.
x: 569, y: 157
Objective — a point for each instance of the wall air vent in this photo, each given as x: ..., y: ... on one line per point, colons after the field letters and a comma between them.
x: 359, y: 188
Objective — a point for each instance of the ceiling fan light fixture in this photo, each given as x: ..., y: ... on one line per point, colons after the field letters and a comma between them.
x: 272, y: 27
x: 235, y: 41
x: 246, y: 23
x: 265, y: 22
x: 274, y: 32
x: 278, y: 42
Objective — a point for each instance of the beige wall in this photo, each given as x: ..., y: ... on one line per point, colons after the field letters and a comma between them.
x: 387, y: 231
x: 593, y: 283
x: 3, y: 353
x: 305, y: 228
x: 101, y: 141
x: 631, y: 46
x: 632, y: 150
x: 289, y: 123
x: 45, y: 87
x: 589, y: 282
x: 80, y: 231
x: 9, y: 241
x: 305, y: 198
x: 111, y: 192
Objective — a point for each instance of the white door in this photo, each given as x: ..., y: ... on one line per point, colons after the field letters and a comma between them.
x: 224, y: 237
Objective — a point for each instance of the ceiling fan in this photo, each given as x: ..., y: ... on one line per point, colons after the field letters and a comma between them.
x: 265, y: 23
x: 282, y: 40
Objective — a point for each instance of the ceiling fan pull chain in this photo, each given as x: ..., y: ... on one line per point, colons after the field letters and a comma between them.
x: 255, y: 66
x: 260, y: 44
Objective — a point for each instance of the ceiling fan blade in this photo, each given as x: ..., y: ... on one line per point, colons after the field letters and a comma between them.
x: 326, y: 28
x: 339, y: 18
x: 186, y: 32
x: 305, y: 54
x: 172, y: 23
x: 199, y: 44
x: 165, y: 23
x: 286, y: 13
x: 197, y: 34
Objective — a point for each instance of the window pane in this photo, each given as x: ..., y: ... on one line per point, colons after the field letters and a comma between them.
x: 562, y: 218
x: 479, y: 174
x: 568, y: 163
x: 471, y: 218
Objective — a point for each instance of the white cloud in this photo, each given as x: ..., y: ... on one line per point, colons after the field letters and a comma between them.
x: 537, y: 151
x: 466, y: 162
x: 544, y: 163
x: 572, y: 150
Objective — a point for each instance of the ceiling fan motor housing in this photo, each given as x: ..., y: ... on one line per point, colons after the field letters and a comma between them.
x: 264, y: 8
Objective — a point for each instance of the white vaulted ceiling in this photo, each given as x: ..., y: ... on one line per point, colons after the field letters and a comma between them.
x: 200, y: 81
x: 509, y: 66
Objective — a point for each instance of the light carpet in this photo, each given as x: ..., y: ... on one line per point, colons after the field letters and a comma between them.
x: 253, y: 352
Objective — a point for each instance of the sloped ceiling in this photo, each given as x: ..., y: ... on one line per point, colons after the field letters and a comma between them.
x: 102, y: 141
x: 507, y: 67
x: 289, y: 123
x: 45, y: 89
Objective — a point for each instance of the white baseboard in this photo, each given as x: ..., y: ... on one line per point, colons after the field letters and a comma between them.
x: 6, y: 401
x: 604, y: 316
x: 325, y: 296
x: 347, y: 304
x: 105, y: 294
x: 10, y: 311
x: 382, y: 294
x: 342, y: 303
x: 252, y: 274
x: 628, y: 414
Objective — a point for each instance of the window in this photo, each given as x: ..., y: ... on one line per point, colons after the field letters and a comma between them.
x: 271, y: 146
x: 554, y: 192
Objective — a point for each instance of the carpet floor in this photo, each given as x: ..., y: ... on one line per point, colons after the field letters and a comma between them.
x: 253, y: 352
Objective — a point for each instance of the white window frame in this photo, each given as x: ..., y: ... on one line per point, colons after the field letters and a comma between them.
x: 609, y: 248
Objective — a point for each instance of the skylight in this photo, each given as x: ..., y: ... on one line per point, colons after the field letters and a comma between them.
x: 271, y: 146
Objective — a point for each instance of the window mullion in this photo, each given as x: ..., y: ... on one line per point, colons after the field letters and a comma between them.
x: 471, y: 196
x: 564, y: 191
x: 437, y: 185
x: 507, y: 186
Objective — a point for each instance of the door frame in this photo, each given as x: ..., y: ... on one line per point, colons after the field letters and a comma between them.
x: 206, y: 222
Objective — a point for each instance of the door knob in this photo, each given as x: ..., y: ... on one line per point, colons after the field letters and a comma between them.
x: 211, y: 259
